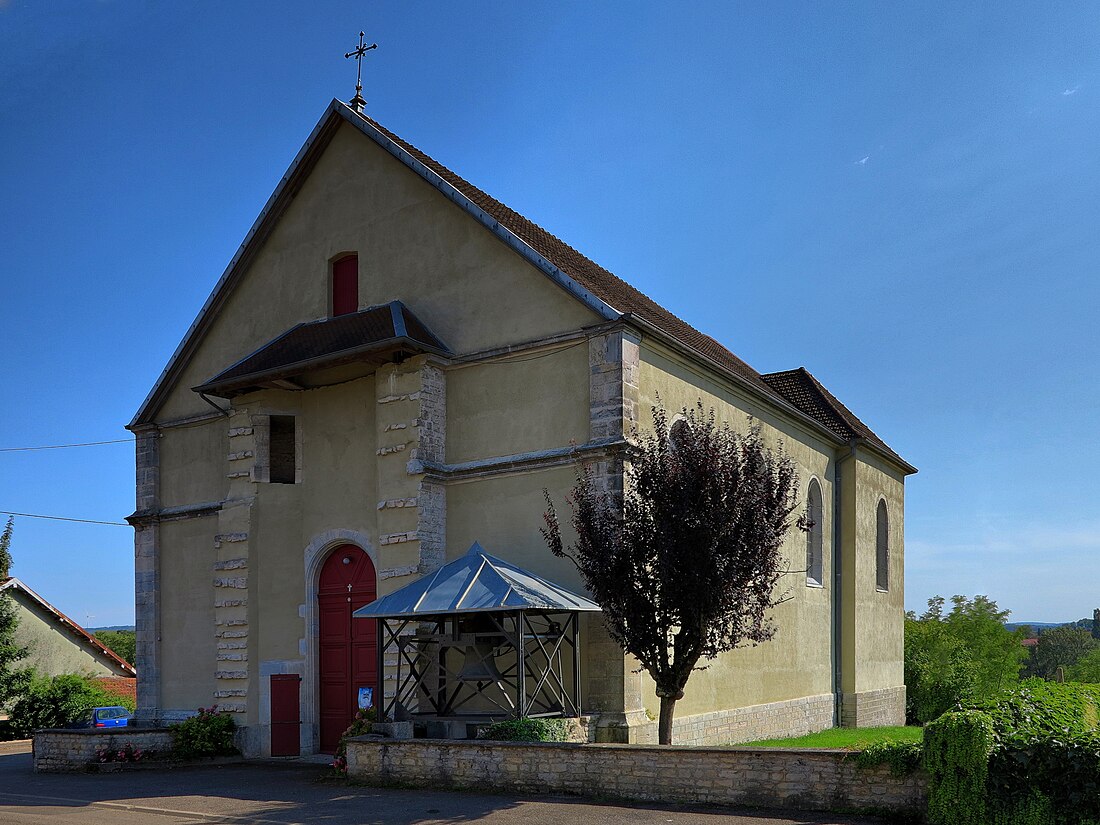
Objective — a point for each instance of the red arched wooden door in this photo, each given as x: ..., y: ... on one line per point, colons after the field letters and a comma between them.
x: 348, y: 657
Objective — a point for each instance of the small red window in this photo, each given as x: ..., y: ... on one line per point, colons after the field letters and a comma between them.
x: 345, y: 285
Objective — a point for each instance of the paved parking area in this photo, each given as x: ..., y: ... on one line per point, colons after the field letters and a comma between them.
x: 289, y: 793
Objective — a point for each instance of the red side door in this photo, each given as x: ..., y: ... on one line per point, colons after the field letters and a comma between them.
x: 286, y: 716
x: 348, y: 655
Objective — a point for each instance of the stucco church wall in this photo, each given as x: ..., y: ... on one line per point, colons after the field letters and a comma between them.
x: 413, y: 245
x: 798, y: 661
x: 192, y: 463
x: 186, y: 613
x: 504, y: 514
x: 506, y: 407
x: 878, y: 619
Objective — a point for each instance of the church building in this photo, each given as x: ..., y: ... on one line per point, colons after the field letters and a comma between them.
x: 392, y: 368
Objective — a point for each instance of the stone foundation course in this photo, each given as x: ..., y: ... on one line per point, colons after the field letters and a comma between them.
x: 64, y: 751
x: 762, y: 777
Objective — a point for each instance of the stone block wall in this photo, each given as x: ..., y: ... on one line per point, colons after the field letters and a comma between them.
x: 775, y: 720
x: 781, y: 778
x: 874, y: 708
x: 64, y: 751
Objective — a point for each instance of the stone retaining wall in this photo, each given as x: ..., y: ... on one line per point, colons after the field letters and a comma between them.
x: 62, y: 751
x: 771, y: 777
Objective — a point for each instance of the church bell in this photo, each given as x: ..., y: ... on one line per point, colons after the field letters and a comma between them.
x: 482, y: 638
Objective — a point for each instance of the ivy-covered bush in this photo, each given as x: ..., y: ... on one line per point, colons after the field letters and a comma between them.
x: 527, y: 730
x: 56, y: 702
x: 1031, y: 756
x: 210, y: 733
x: 902, y: 757
x: 1036, y: 708
x: 957, y: 746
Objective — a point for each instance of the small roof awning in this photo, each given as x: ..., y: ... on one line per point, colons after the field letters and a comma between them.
x: 312, y: 354
x: 475, y: 583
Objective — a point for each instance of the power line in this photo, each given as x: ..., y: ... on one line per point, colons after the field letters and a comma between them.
x: 64, y: 518
x: 64, y: 446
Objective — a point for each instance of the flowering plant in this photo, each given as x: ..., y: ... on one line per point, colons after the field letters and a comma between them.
x: 127, y: 753
x: 362, y: 725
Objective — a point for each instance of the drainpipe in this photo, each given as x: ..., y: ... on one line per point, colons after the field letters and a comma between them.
x: 838, y: 586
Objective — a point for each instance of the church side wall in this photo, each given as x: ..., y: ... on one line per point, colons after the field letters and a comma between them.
x: 798, y: 662
x: 876, y: 693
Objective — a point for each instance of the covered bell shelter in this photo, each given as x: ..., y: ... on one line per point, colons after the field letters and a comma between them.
x: 479, y: 640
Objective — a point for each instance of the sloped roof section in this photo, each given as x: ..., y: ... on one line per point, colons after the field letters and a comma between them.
x: 81, y: 636
x: 475, y: 583
x: 371, y: 332
x: 609, y: 288
x: 805, y: 392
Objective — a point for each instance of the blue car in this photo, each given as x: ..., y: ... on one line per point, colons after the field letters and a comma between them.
x: 112, y: 717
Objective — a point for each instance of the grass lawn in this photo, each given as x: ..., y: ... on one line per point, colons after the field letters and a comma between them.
x: 850, y: 738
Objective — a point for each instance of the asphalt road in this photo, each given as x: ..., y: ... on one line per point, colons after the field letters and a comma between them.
x: 287, y: 793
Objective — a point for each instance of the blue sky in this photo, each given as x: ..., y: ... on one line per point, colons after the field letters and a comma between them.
x: 904, y: 200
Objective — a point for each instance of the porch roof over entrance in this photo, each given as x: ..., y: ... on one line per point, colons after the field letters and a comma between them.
x: 475, y: 583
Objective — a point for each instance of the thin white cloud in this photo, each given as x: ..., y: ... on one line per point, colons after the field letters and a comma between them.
x: 1072, y: 91
x: 1038, y: 570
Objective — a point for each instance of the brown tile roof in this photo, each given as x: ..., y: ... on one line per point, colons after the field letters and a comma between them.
x: 805, y: 392
x: 327, y: 342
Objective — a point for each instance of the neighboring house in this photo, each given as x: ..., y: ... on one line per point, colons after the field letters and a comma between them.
x: 57, y: 643
x: 393, y: 366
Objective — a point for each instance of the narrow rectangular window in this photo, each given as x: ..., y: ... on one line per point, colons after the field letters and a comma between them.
x: 281, y: 451
x: 345, y: 285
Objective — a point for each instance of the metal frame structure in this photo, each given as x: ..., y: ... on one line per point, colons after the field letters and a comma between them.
x: 510, y: 663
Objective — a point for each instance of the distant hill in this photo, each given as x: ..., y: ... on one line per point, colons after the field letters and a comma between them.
x: 1082, y: 623
x: 112, y: 627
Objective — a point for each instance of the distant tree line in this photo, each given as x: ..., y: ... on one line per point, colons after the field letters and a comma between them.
x: 967, y: 654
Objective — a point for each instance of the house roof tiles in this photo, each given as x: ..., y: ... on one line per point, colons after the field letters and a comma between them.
x: 805, y: 392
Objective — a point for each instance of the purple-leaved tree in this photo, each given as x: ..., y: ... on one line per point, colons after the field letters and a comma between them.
x: 684, y: 562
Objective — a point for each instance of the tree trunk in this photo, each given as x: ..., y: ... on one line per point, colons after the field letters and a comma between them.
x: 664, y: 725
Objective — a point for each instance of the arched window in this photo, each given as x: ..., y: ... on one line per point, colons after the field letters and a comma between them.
x: 345, y: 285
x: 678, y: 434
x: 814, y: 536
x: 882, y: 548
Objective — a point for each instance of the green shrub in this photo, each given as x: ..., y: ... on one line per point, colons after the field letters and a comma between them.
x: 208, y: 734
x: 1031, y: 756
x: 956, y: 757
x: 1036, y: 708
x: 527, y: 730
x: 902, y: 757
x: 55, y: 702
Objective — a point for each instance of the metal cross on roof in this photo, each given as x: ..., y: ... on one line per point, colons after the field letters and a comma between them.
x: 357, y: 102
